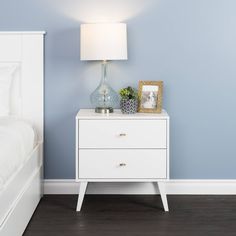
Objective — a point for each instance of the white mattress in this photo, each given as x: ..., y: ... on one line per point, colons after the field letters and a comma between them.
x: 17, y: 140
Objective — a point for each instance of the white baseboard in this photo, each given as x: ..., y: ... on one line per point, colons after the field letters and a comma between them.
x: 194, y: 187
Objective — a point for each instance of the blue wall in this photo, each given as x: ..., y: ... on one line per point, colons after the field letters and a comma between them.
x: 190, y: 45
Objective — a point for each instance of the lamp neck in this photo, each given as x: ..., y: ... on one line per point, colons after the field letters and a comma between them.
x: 104, y: 72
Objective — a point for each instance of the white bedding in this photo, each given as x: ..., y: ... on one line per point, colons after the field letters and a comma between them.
x: 17, y: 140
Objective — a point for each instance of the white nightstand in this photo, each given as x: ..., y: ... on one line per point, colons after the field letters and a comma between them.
x: 122, y: 148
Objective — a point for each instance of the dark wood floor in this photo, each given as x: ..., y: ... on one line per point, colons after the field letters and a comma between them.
x: 134, y: 215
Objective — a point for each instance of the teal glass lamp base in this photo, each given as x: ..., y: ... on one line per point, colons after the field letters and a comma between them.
x: 104, y: 98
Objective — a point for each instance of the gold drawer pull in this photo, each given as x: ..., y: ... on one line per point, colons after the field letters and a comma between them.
x: 122, y: 135
x: 122, y: 164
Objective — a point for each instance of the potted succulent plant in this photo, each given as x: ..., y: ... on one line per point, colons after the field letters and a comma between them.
x: 129, y: 100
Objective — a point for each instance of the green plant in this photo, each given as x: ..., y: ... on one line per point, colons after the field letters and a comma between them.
x: 128, y: 93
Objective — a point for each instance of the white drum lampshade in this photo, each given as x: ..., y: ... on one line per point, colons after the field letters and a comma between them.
x: 103, y: 42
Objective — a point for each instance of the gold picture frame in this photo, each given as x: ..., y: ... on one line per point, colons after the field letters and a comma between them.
x: 150, y: 96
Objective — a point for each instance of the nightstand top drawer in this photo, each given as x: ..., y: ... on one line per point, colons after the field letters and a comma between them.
x: 122, y: 134
x: 89, y: 114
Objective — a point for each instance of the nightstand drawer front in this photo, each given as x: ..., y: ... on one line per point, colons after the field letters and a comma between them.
x: 122, y: 134
x: 123, y: 164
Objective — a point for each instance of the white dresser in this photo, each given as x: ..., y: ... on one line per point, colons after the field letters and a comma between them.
x: 122, y: 148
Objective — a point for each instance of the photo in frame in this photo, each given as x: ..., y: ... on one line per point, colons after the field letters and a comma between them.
x: 150, y: 96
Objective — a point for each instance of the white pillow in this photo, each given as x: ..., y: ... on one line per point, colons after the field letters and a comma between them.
x: 6, y: 76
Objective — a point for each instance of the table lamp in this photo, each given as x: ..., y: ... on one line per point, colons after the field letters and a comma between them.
x: 103, y: 42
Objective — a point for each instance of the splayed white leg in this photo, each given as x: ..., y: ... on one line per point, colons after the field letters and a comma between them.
x: 161, y: 186
x: 82, y: 190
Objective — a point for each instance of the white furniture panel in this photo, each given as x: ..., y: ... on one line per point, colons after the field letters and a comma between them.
x: 122, y: 134
x: 23, y: 208
x: 14, y: 187
x: 122, y: 164
x: 122, y: 148
x: 33, y: 80
x: 89, y: 114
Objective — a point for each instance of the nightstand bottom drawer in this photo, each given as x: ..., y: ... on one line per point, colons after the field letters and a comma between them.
x: 122, y: 164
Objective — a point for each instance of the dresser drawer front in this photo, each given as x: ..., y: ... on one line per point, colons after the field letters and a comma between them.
x: 122, y: 164
x: 122, y: 133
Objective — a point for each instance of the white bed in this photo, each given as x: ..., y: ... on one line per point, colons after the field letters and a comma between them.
x: 21, y: 132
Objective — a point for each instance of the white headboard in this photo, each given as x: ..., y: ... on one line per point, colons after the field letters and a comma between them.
x: 27, y: 50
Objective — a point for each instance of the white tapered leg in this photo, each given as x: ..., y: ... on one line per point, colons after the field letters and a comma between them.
x: 82, y: 190
x: 161, y: 186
